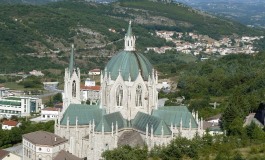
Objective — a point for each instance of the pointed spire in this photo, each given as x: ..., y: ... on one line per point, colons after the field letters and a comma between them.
x: 180, y: 126
x: 72, y: 61
x: 129, y: 31
x: 112, y: 129
x: 76, y: 122
x: 146, y: 131
x: 129, y: 78
x: 129, y: 40
x: 162, y: 132
x: 67, y: 123
x: 190, y: 124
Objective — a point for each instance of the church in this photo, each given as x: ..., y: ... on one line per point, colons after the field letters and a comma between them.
x: 128, y: 112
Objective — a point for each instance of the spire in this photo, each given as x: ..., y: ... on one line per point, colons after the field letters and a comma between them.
x: 71, y: 61
x: 129, y: 40
x: 129, y: 31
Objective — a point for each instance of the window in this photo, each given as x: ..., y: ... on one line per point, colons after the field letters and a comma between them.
x: 139, y: 96
x: 119, y: 95
x: 74, y: 89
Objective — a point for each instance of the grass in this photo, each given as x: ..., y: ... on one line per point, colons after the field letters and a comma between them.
x: 14, y: 86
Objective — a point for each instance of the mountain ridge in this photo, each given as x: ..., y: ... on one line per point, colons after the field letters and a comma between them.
x: 98, y: 29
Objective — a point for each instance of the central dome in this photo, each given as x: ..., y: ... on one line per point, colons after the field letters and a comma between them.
x: 129, y: 63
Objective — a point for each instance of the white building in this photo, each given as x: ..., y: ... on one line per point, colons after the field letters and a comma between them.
x: 91, y: 93
x: 50, y: 113
x: 19, y: 106
x: 90, y: 82
x: 94, y: 72
x: 128, y: 112
x: 9, y: 124
x: 215, y: 120
x: 42, y: 145
x: 4, y: 92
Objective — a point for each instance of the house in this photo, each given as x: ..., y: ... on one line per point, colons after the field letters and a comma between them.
x: 6, y: 155
x: 50, y: 113
x: 212, y: 129
x: 42, y: 145
x: 258, y: 118
x: 91, y: 93
x: 94, y: 72
x: 214, y: 119
x: 9, y: 124
x: 212, y: 124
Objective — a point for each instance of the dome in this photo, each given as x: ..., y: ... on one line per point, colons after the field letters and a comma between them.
x: 129, y: 63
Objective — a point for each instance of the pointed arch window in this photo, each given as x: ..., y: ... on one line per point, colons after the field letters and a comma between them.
x: 119, y: 95
x: 139, y: 96
x: 74, y: 89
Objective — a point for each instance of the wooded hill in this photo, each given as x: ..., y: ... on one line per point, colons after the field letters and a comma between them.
x: 39, y: 29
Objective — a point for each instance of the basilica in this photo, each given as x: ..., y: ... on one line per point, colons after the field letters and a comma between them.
x: 128, y: 112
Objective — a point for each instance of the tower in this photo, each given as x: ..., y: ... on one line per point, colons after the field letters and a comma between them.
x: 129, y: 40
x: 128, y: 83
x: 71, y: 92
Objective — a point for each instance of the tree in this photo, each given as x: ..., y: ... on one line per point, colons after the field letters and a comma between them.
x: 57, y: 98
x: 127, y: 153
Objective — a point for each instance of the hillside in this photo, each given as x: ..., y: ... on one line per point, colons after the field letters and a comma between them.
x: 48, y: 30
x: 248, y: 12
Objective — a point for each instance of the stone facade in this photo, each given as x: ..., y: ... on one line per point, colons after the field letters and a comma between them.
x: 128, y: 112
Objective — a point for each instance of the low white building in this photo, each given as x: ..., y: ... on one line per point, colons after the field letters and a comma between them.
x: 94, y: 72
x: 214, y: 119
x: 50, y: 113
x: 19, y: 106
x: 163, y: 85
x: 9, y: 124
x: 42, y: 145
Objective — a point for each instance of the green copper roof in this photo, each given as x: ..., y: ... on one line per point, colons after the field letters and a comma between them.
x: 174, y: 114
x: 142, y: 119
x: 85, y: 114
x: 109, y: 119
x: 129, y: 63
x: 129, y: 31
x: 71, y: 61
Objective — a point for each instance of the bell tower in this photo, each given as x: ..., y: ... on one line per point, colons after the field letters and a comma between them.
x: 71, y: 92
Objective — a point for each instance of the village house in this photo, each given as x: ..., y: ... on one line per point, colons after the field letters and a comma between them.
x: 9, y: 124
